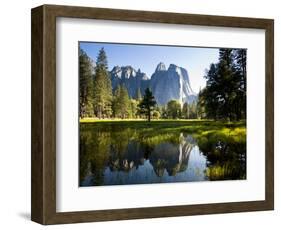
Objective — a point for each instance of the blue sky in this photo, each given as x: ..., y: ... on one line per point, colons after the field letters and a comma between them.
x: 146, y: 57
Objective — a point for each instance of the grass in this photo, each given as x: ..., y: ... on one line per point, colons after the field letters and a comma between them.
x: 222, y: 172
x: 200, y: 127
x: 157, y: 131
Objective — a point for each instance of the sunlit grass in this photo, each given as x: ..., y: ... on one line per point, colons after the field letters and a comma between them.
x: 158, y: 131
x: 222, y: 172
x: 157, y: 139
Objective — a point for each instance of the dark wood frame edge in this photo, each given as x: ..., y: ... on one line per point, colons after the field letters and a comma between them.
x: 43, y: 109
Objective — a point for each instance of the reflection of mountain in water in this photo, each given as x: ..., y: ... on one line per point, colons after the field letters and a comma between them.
x: 173, y: 158
x: 170, y: 156
x: 114, y: 155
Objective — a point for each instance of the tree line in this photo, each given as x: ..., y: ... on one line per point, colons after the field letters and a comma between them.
x: 96, y: 97
x: 224, y: 96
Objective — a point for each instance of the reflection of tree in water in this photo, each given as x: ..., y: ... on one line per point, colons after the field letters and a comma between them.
x: 94, y: 152
x: 120, y: 149
x: 226, y: 157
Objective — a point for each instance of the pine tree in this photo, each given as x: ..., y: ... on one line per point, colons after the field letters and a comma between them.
x: 121, y: 102
x: 225, y: 94
x: 226, y: 55
x: 211, y: 94
x: 124, y: 102
x: 99, y: 93
x: 241, y: 65
x: 102, y: 59
x: 116, y: 101
x: 241, y: 69
x: 147, y: 104
x: 86, y: 86
x: 102, y: 87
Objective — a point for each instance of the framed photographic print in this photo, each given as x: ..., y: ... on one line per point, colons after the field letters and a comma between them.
x: 140, y: 114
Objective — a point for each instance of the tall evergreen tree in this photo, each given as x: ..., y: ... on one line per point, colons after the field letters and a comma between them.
x: 86, y: 86
x: 225, y: 94
x: 147, y: 104
x: 227, y: 84
x: 241, y: 65
x: 226, y: 55
x: 102, y: 87
x: 102, y: 59
x: 124, y: 102
x: 116, y: 102
x: 121, y: 102
x: 211, y: 94
x: 241, y: 72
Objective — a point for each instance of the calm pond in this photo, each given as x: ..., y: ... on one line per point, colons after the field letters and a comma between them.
x: 120, y: 154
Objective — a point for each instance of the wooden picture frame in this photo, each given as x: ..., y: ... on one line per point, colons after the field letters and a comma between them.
x: 43, y: 208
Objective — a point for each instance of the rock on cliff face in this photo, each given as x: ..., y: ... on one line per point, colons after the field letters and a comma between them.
x: 166, y: 84
x: 171, y: 84
x: 132, y: 79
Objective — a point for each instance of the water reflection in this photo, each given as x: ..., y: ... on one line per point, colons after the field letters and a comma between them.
x: 116, y: 155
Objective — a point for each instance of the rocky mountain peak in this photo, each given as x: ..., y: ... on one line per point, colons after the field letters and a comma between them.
x: 172, y: 84
x: 116, y: 71
x: 128, y: 71
x: 172, y: 67
x: 175, y: 68
x: 160, y: 67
